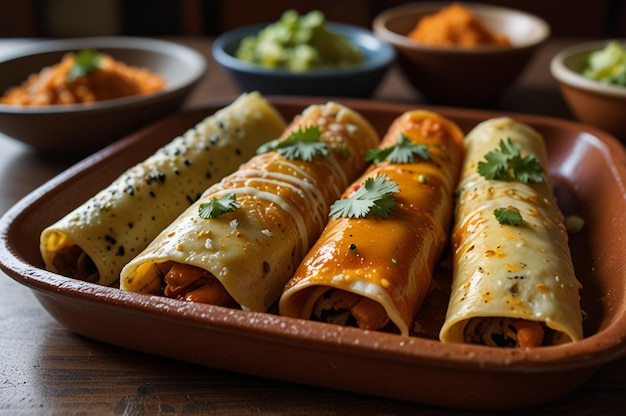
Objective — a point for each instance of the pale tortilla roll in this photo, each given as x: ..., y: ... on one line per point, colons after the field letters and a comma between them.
x: 374, y: 273
x: 250, y: 253
x: 513, y: 285
x: 95, y: 240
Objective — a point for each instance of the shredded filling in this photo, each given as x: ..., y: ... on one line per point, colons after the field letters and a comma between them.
x: 72, y: 261
x: 193, y: 284
x: 348, y: 309
x: 507, y: 332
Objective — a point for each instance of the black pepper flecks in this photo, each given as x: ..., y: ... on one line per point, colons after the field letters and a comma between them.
x: 238, y: 151
x: 152, y: 194
x: 120, y: 251
x: 214, y: 139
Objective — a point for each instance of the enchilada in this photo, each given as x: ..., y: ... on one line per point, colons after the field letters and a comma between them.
x: 513, y: 282
x: 370, y: 270
x: 241, y: 241
x: 95, y: 240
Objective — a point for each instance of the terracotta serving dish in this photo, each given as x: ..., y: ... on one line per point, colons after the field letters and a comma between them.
x: 588, y: 169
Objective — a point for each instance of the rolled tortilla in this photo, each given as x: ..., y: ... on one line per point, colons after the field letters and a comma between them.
x: 513, y: 285
x: 370, y: 271
x: 244, y: 257
x: 95, y: 240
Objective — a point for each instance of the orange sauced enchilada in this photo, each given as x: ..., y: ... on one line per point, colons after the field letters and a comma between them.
x: 372, y: 269
x: 513, y: 280
x: 241, y: 241
x: 95, y: 240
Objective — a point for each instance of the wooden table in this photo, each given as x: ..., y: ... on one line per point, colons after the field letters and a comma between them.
x: 46, y: 369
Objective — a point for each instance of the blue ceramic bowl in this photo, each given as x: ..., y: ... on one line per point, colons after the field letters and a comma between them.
x: 359, y: 81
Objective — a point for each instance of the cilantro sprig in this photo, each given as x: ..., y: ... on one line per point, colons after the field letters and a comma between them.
x: 85, y: 62
x: 304, y: 144
x: 218, y: 206
x: 404, y: 151
x: 374, y: 196
x: 508, y: 216
x: 506, y: 163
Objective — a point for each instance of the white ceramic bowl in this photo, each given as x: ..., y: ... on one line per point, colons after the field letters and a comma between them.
x: 83, y: 128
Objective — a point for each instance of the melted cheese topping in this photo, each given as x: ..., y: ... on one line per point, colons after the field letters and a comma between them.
x: 389, y: 261
x: 118, y: 222
x: 283, y: 207
x: 505, y: 271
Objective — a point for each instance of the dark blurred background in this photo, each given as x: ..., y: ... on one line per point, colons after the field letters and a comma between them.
x: 71, y: 18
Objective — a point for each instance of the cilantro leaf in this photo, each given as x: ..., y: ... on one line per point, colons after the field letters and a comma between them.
x: 373, y: 196
x: 85, y: 62
x: 404, y: 151
x: 508, y: 216
x: 496, y: 166
x: 506, y: 163
x: 218, y: 206
x: 527, y: 169
x: 303, y: 144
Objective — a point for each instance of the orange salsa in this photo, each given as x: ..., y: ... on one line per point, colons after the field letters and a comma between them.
x: 454, y: 25
x: 112, y: 79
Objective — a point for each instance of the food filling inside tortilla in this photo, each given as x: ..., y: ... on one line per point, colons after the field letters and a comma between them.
x: 72, y: 261
x: 348, y: 309
x: 507, y: 332
x: 193, y: 284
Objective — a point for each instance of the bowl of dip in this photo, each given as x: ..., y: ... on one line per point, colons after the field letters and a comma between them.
x: 45, y: 104
x: 491, y: 47
x: 304, y: 55
x: 592, y: 80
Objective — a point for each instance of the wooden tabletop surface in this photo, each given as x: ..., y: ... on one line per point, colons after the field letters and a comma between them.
x: 46, y: 369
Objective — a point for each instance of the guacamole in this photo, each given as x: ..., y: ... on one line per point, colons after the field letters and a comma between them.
x: 299, y: 43
x: 607, y: 65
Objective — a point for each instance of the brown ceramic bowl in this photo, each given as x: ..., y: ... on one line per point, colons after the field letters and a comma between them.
x: 82, y: 128
x: 418, y: 369
x: 457, y: 75
x: 601, y: 105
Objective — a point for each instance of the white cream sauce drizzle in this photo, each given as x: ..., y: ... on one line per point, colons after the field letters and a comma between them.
x: 268, y: 196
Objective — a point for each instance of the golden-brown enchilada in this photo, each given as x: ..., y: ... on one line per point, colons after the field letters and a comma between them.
x: 372, y: 268
x: 95, y: 240
x: 242, y: 240
x: 513, y: 280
